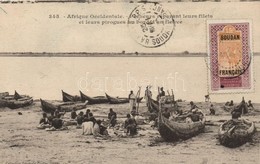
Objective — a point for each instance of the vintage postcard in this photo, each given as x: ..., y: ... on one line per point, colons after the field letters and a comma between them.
x: 116, y: 81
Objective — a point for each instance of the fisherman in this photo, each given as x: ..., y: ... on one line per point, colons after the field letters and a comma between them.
x: 250, y: 105
x: 51, y: 117
x: 207, y: 98
x: 212, y: 110
x: 162, y: 93
x: 99, y: 129
x: 130, y: 125
x: 73, y: 114
x: 91, y: 118
x: 231, y: 103
x: 166, y: 113
x: 112, y: 117
x: 132, y: 102
x: 57, y: 122
x: 87, y: 113
x: 192, y: 105
x: 44, y: 122
x: 80, y: 118
x: 147, y: 95
x: 103, y: 129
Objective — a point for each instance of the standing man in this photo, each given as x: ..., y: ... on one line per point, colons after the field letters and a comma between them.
x: 132, y: 102
x: 147, y: 95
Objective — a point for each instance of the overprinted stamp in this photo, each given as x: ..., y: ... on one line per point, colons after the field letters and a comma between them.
x: 230, y: 56
x: 151, y: 25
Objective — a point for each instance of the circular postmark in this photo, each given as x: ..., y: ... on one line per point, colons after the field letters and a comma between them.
x: 151, y: 25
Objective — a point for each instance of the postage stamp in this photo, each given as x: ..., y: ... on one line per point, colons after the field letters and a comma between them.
x: 230, y: 56
x: 151, y: 25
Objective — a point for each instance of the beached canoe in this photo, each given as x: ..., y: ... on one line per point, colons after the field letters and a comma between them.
x: 114, y: 100
x: 93, y: 100
x: 49, y: 107
x: 234, y: 133
x: 172, y: 130
x: 15, y: 101
x: 69, y: 98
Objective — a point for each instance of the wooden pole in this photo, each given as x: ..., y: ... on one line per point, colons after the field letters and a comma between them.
x: 139, y: 91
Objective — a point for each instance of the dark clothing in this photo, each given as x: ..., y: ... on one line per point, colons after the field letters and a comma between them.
x: 80, y: 119
x: 90, y: 119
x: 87, y: 115
x: 50, y: 118
x: 193, y: 106
x: 212, y: 111
x: 166, y: 114
x: 130, y: 125
x: 162, y: 93
x: 73, y: 115
x: 112, y: 117
x: 44, y: 121
x: 102, y: 129
x: 57, y: 123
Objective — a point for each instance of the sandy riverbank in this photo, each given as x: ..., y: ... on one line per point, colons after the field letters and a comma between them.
x: 21, y: 142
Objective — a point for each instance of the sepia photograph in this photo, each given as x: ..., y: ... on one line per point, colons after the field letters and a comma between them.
x: 131, y: 82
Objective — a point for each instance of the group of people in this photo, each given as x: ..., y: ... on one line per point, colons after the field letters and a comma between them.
x: 52, y: 122
x: 89, y: 124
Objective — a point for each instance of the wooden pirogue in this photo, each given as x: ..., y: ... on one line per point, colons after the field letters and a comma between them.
x: 93, y: 100
x: 69, y: 98
x: 172, y: 130
x: 234, y: 132
x: 15, y: 101
x: 114, y: 100
x: 49, y: 107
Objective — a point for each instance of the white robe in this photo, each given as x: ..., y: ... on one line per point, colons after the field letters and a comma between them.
x: 87, y: 128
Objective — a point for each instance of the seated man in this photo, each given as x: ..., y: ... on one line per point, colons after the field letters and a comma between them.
x: 73, y: 114
x: 250, y: 105
x: 87, y: 113
x: 130, y: 125
x: 192, y: 105
x: 80, y: 118
x: 91, y: 118
x: 57, y: 122
x: 212, y: 110
x: 44, y: 122
x: 112, y: 117
x: 231, y: 103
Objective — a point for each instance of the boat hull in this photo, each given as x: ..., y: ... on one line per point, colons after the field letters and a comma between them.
x: 235, y: 138
x: 93, y: 100
x: 172, y: 131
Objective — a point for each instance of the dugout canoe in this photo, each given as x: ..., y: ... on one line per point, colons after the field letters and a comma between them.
x: 114, y: 100
x: 69, y: 98
x: 93, y: 100
x: 49, y: 107
x: 171, y: 130
x: 234, y: 133
x: 15, y: 101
